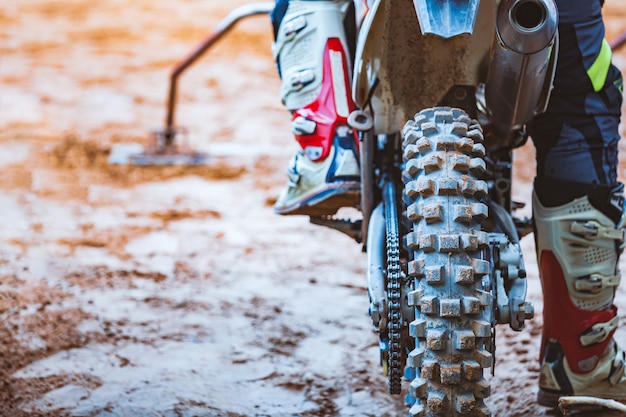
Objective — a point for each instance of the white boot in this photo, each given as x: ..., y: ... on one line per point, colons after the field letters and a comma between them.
x: 312, y: 53
x: 320, y: 188
x: 578, y: 247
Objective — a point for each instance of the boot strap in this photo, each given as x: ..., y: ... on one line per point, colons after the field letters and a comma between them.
x: 592, y: 230
x: 617, y: 368
x: 599, y: 332
x: 595, y: 283
x: 293, y: 175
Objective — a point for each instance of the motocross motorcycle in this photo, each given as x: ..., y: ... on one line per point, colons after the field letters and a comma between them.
x: 442, y: 91
x: 438, y: 221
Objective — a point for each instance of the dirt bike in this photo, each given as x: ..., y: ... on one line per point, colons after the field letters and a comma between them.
x: 444, y: 262
x: 442, y: 241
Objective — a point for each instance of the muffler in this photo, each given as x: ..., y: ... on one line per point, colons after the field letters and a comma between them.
x: 522, y: 63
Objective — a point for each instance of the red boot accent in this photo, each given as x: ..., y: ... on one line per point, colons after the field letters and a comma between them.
x: 565, y: 322
x: 325, y: 111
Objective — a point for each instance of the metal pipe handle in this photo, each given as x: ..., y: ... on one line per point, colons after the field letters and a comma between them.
x: 223, y: 27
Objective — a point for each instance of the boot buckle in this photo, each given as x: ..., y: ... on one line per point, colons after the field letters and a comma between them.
x: 293, y: 176
x: 592, y: 230
x: 301, y: 126
x: 294, y: 26
x: 301, y: 79
x: 617, y: 368
x: 595, y: 283
x: 599, y: 332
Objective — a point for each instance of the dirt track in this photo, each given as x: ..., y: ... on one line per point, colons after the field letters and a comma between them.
x: 128, y: 291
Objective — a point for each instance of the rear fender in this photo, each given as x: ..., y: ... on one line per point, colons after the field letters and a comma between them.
x: 399, y: 70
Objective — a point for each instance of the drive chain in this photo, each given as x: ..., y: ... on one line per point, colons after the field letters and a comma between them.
x: 394, y: 330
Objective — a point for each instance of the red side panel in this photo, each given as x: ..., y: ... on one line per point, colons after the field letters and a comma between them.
x: 564, y: 321
x: 323, y: 110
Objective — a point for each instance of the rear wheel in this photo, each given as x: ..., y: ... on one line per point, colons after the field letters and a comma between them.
x: 443, y: 157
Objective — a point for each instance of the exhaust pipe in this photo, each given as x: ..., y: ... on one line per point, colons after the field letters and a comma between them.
x: 523, y: 61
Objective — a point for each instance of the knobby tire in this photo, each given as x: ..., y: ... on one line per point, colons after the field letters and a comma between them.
x: 443, y: 158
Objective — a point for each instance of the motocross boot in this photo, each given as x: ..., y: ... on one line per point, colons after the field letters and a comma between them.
x: 313, y: 56
x: 578, y: 246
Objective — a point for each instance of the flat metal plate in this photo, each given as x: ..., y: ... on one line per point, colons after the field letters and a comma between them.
x: 135, y: 154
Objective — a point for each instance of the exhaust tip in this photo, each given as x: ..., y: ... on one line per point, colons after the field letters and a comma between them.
x: 526, y: 26
x: 528, y: 16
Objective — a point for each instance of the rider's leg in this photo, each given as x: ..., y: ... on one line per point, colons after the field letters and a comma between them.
x: 313, y: 55
x: 578, y: 212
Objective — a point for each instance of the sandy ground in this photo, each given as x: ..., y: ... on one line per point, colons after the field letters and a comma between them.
x: 128, y: 291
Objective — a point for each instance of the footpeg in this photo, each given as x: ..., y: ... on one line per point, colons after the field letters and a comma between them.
x: 351, y: 228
